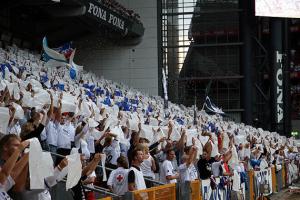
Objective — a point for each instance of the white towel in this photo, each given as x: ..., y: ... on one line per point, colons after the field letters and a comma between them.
x: 236, y: 181
x: 103, y: 158
x: 40, y: 165
x: 146, y: 132
x: 74, y: 170
x: 191, y: 133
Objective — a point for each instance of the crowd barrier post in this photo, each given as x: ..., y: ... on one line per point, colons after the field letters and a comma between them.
x: 195, y: 190
x: 247, y: 185
x: 283, y: 175
x: 251, y: 185
x: 177, y: 191
x: 279, y: 180
x: 128, y: 196
x: 183, y: 191
x: 274, y: 180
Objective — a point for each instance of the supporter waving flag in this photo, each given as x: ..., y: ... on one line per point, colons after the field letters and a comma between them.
x: 74, y: 69
x: 50, y: 54
x: 65, y: 49
x: 212, y: 107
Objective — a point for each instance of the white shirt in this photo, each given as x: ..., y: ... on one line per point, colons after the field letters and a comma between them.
x: 66, y: 134
x: 118, y: 180
x: 91, y: 144
x: 84, y: 148
x: 187, y: 173
x: 167, y: 170
x: 146, y: 167
x: 112, y: 152
x: 139, y: 179
x: 91, y: 185
x: 15, y: 129
x: 52, y: 130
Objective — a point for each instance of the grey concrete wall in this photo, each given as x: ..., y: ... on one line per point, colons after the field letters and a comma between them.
x: 295, y: 125
x: 136, y: 66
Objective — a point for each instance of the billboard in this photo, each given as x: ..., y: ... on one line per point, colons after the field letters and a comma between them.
x: 278, y: 8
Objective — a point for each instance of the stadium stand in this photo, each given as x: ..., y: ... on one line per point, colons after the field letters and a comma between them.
x: 56, y: 106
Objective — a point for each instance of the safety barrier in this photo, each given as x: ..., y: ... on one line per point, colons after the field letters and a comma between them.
x: 59, y: 192
x: 258, y: 183
x: 157, y: 193
x: 266, y: 182
x: 106, y: 198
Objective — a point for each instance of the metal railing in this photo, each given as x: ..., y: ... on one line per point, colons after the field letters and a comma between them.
x: 110, y: 169
x: 105, y: 191
x: 200, y: 189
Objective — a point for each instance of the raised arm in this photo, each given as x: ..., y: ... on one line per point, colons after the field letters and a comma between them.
x: 50, y: 112
x: 12, y: 112
x: 192, y: 155
x: 58, y: 116
x: 19, y: 167
x: 170, y: 129
x: 10, y: 163
x: 180, y: 143
x: 91, y: 166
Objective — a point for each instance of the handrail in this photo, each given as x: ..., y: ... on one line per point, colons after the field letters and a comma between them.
x: 159, y: 192
x: 110, y: 169
x: 155, y: 188
x: 97, y: 189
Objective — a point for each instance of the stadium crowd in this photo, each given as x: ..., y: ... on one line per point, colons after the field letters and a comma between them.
x: 136, y: 136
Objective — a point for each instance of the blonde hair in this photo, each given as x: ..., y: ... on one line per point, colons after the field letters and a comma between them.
x: 145, y: 149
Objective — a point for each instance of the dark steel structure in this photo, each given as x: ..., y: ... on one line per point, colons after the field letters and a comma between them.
x: 219, y: 48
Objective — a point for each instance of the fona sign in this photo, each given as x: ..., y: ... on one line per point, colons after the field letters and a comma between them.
x: 101, y: 14
x: 279, y: 91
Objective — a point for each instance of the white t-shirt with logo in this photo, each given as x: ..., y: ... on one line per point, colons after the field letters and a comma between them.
x: 112, y: 152
x: 66, y: 134
x: 118, y: 180
x: 187, y: 173
x: 167, y: 169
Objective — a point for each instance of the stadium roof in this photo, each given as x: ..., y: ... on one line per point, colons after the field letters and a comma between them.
x: 66, y: 20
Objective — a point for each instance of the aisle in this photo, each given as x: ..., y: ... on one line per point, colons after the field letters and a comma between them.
x: 286, y: 195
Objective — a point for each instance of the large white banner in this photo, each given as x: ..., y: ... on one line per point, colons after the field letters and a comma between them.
x: 278, y: 8
x: 263, y: 177
x: 218, y: 193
